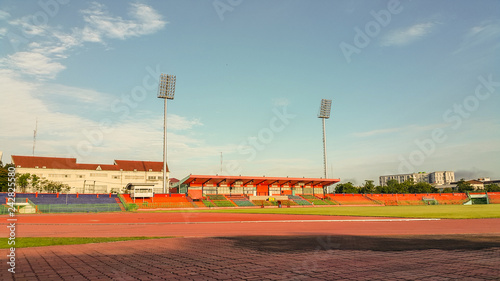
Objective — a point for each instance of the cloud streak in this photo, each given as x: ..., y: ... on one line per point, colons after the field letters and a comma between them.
x: 101, y: 24
x: 487, y: 32
x: 406, y: 36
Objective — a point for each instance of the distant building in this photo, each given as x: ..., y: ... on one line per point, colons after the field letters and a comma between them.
x: 435, y: 178
x: 92, y: 178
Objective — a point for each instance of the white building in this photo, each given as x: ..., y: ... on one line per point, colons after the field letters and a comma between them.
x: 435, y: 178
x: 92, y: 178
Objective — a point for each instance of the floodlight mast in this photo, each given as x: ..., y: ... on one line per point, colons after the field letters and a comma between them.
x: 166, y: 91
x: 324, y: 113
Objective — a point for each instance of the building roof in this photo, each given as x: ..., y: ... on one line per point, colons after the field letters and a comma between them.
x: 71, y: 164
x: 230, y: 180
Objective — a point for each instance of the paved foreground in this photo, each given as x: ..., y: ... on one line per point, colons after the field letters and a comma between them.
x: 469, y: 257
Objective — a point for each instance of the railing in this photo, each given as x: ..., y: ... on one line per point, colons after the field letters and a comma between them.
x: 128, y: 206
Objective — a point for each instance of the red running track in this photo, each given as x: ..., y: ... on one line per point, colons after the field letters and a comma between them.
x: 222, y: 224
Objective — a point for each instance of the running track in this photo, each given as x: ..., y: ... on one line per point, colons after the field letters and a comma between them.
x: 221, y: 224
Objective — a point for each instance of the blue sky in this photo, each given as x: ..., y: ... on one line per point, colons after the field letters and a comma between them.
x: 415, y: 85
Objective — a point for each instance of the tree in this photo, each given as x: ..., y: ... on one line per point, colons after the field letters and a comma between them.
x: 464, y: 186
x: 22, y: 181
x: 492, y: 187
x: 54, y: 187
x: 35, y: 183
x: 346, y: 188
x: 368, y: 187
x: 4, y: 177
x: 424, y: 187
x: 392, y: 186
x: 406, y: 186
x: 447, y: 190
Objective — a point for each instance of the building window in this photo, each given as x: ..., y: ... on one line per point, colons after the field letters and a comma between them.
x: 98, y: 175
x: 116, y: 177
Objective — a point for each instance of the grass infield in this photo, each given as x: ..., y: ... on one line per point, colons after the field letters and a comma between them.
x: 26, y: 242
x: 430, y: 211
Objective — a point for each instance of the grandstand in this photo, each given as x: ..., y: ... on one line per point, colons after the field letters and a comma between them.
x: 240, y: 200
x: 315, y: 200
x: 66, y: 203
x: 160, y: 201
x: 220, y: 201
x: 353, y: 199
x: 299, y: 200
x: 494, y: 197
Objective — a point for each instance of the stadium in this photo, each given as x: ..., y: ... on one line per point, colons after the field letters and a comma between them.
x: 244, y: 189
x: 68, y: 220
x: 251, y: 228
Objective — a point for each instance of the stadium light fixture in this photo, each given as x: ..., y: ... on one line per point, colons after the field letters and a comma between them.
x: 324, y: 113
x: 166, y: 91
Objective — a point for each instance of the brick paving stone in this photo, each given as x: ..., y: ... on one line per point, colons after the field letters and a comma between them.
x: 227, y: 259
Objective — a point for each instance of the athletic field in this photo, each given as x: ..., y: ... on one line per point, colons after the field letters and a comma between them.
x: 334, y: 243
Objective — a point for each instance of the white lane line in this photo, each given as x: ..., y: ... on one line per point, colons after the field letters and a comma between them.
x: 229, y: 222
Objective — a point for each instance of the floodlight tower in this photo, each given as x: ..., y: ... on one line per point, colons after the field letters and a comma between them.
x: 324, y: 113
x: 166, y: 91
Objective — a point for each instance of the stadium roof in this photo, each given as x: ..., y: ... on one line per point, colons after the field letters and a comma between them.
x: 70, y: 163
x: 230, y: 180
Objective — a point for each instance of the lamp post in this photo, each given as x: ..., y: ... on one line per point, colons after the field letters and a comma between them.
x: 324, y: 113
x: 166, y: 91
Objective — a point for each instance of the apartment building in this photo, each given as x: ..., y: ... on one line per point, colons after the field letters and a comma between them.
x: 435, y: 178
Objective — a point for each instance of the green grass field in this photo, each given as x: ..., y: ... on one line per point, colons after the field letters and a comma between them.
x: 26, y: 242
x: 432, y: 211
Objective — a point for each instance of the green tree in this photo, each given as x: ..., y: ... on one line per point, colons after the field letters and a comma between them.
x: 406, y: 186
x: 35, y: 183
x: 346, y: 188
x: 381, y: 189
x: 492, y: 187
x: 447, y: 190
x: 392, y: 186
x: 464, y: 186
x: 424, y: 187
x: 368, y: 187
x: 23, y: 181
x: 4, y: 178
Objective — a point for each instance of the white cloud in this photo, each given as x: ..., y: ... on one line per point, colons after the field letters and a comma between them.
x: 28, y: 28
x: 487, y: 32
x: 405, y: 36
x: 4, y: 15
x: 377, y: 132
x: 100, y: 23
x: 33, y: 64
x: 54, y: 44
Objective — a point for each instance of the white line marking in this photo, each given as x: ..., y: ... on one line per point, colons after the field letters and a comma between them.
x: 229, y: 222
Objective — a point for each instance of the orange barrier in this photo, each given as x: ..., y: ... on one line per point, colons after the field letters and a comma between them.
x: 351, y: 199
